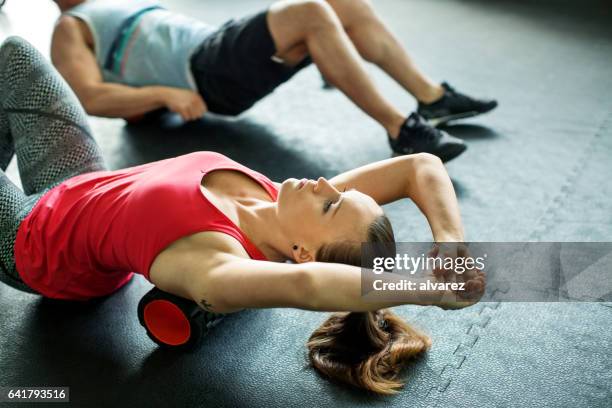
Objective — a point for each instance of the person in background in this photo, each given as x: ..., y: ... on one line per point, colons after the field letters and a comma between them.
x: 126, y: 59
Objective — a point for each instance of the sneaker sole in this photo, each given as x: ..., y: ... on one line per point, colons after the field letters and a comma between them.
x: 447, y: 154
x: 449, y: 118
x: 450, y: 152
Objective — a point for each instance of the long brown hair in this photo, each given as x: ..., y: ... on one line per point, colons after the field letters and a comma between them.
x: 366, y: 350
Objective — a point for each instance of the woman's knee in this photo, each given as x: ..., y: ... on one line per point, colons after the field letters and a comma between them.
x: 18, y: 58
x: 15, y: 48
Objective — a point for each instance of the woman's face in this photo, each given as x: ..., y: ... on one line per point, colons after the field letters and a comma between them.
x: 313, y: 213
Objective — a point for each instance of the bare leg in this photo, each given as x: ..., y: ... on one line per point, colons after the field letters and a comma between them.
x: 311, y: 27
x: 379, y: 46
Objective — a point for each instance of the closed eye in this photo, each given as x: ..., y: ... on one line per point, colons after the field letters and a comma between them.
x: 327, y: 205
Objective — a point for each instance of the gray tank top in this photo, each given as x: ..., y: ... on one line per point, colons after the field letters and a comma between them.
x: 139, y: 43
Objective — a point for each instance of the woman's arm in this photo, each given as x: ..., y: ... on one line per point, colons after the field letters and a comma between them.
x: 222, y: 279
x: 420, y: 177
x: 239, y: 283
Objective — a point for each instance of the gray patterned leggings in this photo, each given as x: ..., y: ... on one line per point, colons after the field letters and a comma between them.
x: 42, y: 122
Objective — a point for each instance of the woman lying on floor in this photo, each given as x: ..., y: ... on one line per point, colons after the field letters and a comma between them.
x: 204, y: 227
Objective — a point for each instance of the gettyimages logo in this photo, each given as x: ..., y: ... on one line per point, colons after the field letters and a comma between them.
x: 456, y: 273
x: 412, y: 264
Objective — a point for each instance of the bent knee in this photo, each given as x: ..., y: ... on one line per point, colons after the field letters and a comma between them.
x: 14, y: 45
x: 359, y: 6
x: 17, y: 58
x: 316, y: 13
x: 352, y: 12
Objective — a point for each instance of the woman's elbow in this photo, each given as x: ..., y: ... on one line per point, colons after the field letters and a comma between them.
x: 94, y: 101
x: 420, y: 161
x: 91, y: 104
x: 422, y: 169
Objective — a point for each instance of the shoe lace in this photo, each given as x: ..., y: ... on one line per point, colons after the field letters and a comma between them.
x: 423, y: 129
x: 450, y: 91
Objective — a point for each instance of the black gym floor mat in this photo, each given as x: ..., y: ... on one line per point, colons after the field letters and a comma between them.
x: 538, y: 168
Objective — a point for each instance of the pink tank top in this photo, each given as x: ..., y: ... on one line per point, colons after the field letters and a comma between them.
x: 86, y: 237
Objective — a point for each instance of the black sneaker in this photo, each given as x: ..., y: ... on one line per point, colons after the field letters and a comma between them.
x: 454, y: 105
x: 417, y: 136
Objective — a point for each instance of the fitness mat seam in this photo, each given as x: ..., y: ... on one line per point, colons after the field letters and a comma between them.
x: 546, y: 221
x: 488, y: 312
x: 470, y: 337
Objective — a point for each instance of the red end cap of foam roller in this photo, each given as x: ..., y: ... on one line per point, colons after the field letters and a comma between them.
x: 167, y: 322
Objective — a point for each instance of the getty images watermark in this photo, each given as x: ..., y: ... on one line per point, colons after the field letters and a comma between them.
x: 487, y: 271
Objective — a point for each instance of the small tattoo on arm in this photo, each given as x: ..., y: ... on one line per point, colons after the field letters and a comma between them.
x: 205, y: 305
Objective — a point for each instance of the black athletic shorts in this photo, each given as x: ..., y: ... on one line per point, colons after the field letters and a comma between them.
x: 233, y: 68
